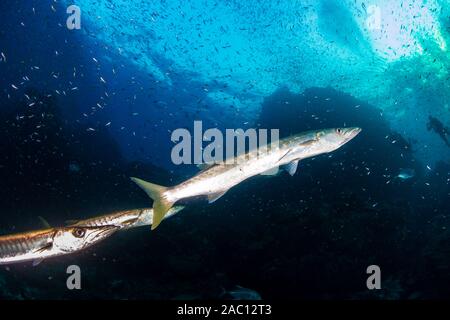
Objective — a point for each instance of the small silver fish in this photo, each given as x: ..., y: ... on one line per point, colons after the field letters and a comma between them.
x: 406, y: 174
x: 241, y: 293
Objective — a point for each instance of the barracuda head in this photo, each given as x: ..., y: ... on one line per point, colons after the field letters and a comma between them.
x: 332, y: 139
x: 312, y: 143
x: 72, y: 239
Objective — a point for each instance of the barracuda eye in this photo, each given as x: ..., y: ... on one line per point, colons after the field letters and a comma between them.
x: 78, y: 232
x: 339, y: 131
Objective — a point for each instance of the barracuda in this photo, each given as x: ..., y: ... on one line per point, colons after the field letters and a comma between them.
x: 215, y: 181
x: 38, y: 245
x: 124, y: 220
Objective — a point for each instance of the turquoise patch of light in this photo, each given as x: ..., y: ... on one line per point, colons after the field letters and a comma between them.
x: 404, y: 27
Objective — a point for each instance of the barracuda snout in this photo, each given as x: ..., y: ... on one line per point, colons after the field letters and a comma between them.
x: 71, y: 239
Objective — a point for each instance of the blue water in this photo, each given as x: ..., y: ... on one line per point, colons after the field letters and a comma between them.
x: 82, y: 110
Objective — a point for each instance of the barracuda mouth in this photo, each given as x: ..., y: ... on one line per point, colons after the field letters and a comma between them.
x: 350, y: 133
x: 97, y: 234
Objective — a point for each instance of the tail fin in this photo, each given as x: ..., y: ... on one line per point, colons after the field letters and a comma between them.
x: 160, y: 204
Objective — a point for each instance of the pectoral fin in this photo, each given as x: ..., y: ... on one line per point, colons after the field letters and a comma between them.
x: 287, y: 152
x: 48, y: 246
x: 44, y: 248
x: 215, y: 196
x: 291, y: 168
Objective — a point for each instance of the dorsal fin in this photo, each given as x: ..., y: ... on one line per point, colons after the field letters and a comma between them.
x: 44, y: 222
x: 71, y: 222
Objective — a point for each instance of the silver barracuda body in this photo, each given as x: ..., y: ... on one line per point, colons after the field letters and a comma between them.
x: 216, y: 180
